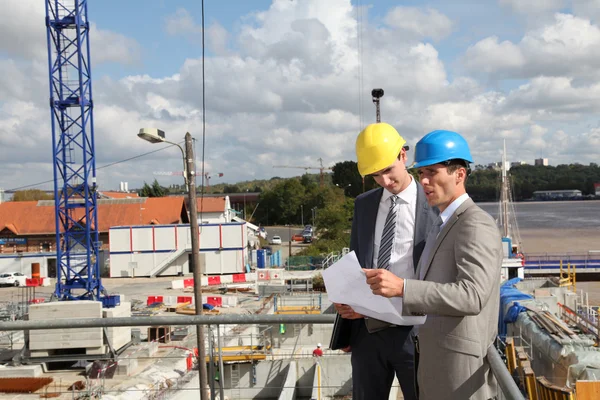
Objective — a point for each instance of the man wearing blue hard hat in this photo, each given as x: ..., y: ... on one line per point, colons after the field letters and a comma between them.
x: 459, y: 275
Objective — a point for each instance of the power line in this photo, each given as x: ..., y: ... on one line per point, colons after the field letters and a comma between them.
x: 104, y: 166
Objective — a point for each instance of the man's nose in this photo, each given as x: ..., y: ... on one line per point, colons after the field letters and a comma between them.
x: 424, y: 180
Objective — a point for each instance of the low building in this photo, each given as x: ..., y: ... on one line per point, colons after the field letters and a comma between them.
x: 557, y: 195
x: 28, y: 233
x: 541, y: 162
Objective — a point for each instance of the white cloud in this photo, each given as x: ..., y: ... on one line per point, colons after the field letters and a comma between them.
x: 428, y: 23
x: 533, y: 6
x: 567, y: 47
x: 589, y: 9
x: 182, y: 23
x: 23, y: 29
x: 282, y: 88
x: 217, y: 38
x: 556, y: 95
x: 108, y: 46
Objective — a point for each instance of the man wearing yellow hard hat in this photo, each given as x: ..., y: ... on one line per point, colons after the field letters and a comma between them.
x: 388, y: 231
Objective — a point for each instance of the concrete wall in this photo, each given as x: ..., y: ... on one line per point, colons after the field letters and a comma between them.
x: 336, y: 374
x: 288, y: 391
x: 267, y: 384
x: 278, y: 378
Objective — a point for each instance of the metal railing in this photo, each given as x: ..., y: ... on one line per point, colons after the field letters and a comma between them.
x: 508, y: 387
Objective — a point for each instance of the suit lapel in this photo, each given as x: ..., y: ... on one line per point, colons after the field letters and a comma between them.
x: 421, y: 223
x: 369, y: 218
x: 444, y: 232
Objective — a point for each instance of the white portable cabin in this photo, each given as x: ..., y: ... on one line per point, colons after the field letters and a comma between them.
x: 165, y: 249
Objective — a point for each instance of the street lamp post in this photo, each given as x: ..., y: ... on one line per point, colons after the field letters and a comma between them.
x: 189, y: 175
x: 302, y: 214
x: 290, y: 244
x: 245, y: 204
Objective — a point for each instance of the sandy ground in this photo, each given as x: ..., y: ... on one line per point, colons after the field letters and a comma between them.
x: 560, y: 240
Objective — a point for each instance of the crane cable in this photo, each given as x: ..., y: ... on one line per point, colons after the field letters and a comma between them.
x: 203, y: 121
x: 359, y: 52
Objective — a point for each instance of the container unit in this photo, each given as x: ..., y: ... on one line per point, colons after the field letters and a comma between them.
x: 165, y: 249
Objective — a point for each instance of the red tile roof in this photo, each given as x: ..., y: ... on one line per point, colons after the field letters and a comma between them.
x: 119, y: 195
x: 29, y: 218
x: 211, y: 204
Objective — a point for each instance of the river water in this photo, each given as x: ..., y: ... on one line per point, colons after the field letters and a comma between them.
x: 553, y: 214
x: 558, y: 228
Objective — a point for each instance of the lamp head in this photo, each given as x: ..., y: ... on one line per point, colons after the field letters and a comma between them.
x: 152, y: 135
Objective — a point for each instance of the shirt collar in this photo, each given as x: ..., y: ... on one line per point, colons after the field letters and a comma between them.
x: 406, y: 196
x: 452, y: 207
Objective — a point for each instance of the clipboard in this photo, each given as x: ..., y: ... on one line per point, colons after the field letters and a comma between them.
x: 340, y: 337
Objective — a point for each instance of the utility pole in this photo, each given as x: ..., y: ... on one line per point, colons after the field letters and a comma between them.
x: 191, y: 182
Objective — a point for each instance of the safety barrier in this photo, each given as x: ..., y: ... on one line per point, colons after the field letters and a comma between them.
x: 214, y: 280
x: 216, y: 301
x: 548, y: 391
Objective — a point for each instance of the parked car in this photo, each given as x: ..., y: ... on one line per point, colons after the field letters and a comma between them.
x: 307, y: 238
x: 12, y: 279
x: 276, y: 240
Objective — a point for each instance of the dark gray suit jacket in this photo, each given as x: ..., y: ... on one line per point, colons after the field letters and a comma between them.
x: 363, y: 236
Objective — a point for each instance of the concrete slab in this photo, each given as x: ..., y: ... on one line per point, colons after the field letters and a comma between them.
x: 127, y: 366
x: 118, y: 336
x: 23, y: 371
x: 65, y: 338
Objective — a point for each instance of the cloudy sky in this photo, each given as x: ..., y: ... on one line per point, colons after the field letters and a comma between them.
x: 289, y: 82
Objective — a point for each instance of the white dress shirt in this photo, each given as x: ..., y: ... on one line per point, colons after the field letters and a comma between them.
x: 447, y: 213
x: 401, y: 261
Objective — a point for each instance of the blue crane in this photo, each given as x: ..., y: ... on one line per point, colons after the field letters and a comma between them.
x: 74, y: 162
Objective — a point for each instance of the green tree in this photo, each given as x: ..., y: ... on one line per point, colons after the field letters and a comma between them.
x: 31, y: 195
x: 157, y: 190
x: 232, y: 189
x: 346, y: 176
x: 153, y: 191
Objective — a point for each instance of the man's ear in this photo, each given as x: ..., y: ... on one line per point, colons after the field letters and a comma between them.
x: 402, y: 156
x: 461, y: 174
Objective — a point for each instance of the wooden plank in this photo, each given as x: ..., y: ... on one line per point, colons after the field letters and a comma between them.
x: 587, y: 390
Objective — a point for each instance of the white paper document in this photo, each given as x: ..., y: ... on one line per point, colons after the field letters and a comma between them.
x: 346, y: 283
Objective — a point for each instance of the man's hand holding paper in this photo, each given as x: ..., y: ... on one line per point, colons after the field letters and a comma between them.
x: 346, y: 283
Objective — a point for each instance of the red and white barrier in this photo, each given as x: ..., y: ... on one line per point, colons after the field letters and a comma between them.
x: 214, y: 280
x: 217, y: 300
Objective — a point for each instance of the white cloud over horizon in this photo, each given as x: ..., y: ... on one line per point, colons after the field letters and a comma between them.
x: 282, y: 88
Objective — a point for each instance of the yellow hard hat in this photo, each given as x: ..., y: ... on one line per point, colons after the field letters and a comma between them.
x: 377, y: 147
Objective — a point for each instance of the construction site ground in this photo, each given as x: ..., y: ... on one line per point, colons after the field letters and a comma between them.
x: 155, y: 371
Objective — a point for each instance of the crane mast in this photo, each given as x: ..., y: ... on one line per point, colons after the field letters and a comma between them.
x: 74, y: 163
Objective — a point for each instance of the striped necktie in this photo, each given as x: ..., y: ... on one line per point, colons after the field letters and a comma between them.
x: 387, y: 236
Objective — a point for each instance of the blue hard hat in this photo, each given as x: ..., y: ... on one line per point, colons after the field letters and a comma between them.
x: 439, y: 146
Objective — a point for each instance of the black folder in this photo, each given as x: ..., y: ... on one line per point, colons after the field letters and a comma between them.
x: 340, y: 337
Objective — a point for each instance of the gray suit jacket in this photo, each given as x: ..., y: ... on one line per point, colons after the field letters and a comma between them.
x: 363, y: 234
x: 460, y: 295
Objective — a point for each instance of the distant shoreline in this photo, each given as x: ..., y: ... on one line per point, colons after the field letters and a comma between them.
x: 543, y: 201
